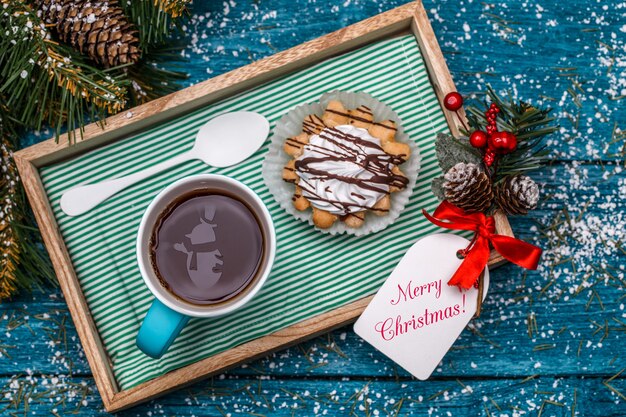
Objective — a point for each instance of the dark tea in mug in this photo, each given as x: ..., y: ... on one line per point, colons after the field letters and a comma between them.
x: 206, y: 247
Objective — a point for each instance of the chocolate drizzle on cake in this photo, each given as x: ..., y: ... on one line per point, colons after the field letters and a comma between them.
x: 362, y: 119
x: 294, y: 142
x: 347, y: 152
x: 312, y: 125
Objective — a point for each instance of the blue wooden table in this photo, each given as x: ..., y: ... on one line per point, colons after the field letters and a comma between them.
x: 548, y: 343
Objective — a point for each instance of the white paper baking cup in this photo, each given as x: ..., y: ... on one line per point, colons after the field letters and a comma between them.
x: 291, y: 124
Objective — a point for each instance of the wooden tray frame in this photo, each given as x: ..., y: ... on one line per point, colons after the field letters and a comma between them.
x: 410, y: 18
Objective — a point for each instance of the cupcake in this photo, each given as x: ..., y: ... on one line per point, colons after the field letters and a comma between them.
x: 345, y: 164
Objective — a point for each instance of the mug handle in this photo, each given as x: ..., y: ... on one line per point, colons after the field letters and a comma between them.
x: 159, y: 329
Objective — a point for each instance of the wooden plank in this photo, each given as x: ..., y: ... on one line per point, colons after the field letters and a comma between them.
x: 29, y: 160
x: 524, y: 396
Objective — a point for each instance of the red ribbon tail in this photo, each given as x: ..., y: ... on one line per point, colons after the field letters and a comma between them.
x: 454, y: 218
x: 517, y: 251
x: 472, y: 266
x: 437, y: 222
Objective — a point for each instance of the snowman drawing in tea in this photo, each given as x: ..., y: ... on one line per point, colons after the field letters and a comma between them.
x: 204, y: 260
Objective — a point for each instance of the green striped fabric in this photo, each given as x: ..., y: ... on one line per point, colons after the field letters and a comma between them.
x: 313, y: 273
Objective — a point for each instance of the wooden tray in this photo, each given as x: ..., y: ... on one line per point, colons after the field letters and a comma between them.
x: 410, y: 18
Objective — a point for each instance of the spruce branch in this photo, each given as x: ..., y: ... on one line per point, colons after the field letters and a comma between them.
x: 22, y: 263
x: 10, y: 249
x: 68, y: 90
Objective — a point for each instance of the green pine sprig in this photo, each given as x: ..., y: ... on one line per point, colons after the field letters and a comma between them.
x: 22, y: 263
x: 68, y: 90
x: 528, y: 123
x: 154, y: 19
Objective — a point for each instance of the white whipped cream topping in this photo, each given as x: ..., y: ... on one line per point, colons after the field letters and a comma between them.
x: 340, y: 196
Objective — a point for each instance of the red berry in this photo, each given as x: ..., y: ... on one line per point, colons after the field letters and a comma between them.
x: 512, y: 142
x: 497, y: 140
x: 478, y: 139
x: 453, y: 101
x: 489, y: 158
x: 491, y: 129
x: 503, y: 142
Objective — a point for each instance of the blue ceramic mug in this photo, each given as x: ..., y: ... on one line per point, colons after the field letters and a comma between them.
x: 168, y: 314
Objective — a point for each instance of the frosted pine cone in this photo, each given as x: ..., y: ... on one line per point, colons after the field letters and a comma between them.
x: 517, y: 194
x: 98, y: 29
x: 467, y: 187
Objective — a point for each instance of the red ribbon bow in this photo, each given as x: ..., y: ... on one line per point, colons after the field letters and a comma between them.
x: 449, y: 216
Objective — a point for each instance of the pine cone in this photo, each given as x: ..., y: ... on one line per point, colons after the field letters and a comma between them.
x: 98, y: 29
x: 517, y: 194
x: 467, y: 187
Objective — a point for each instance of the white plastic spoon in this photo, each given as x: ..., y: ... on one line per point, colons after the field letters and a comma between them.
x: 223, y: 141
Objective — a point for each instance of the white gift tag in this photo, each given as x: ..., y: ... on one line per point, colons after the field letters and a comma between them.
x: 416, y: 316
